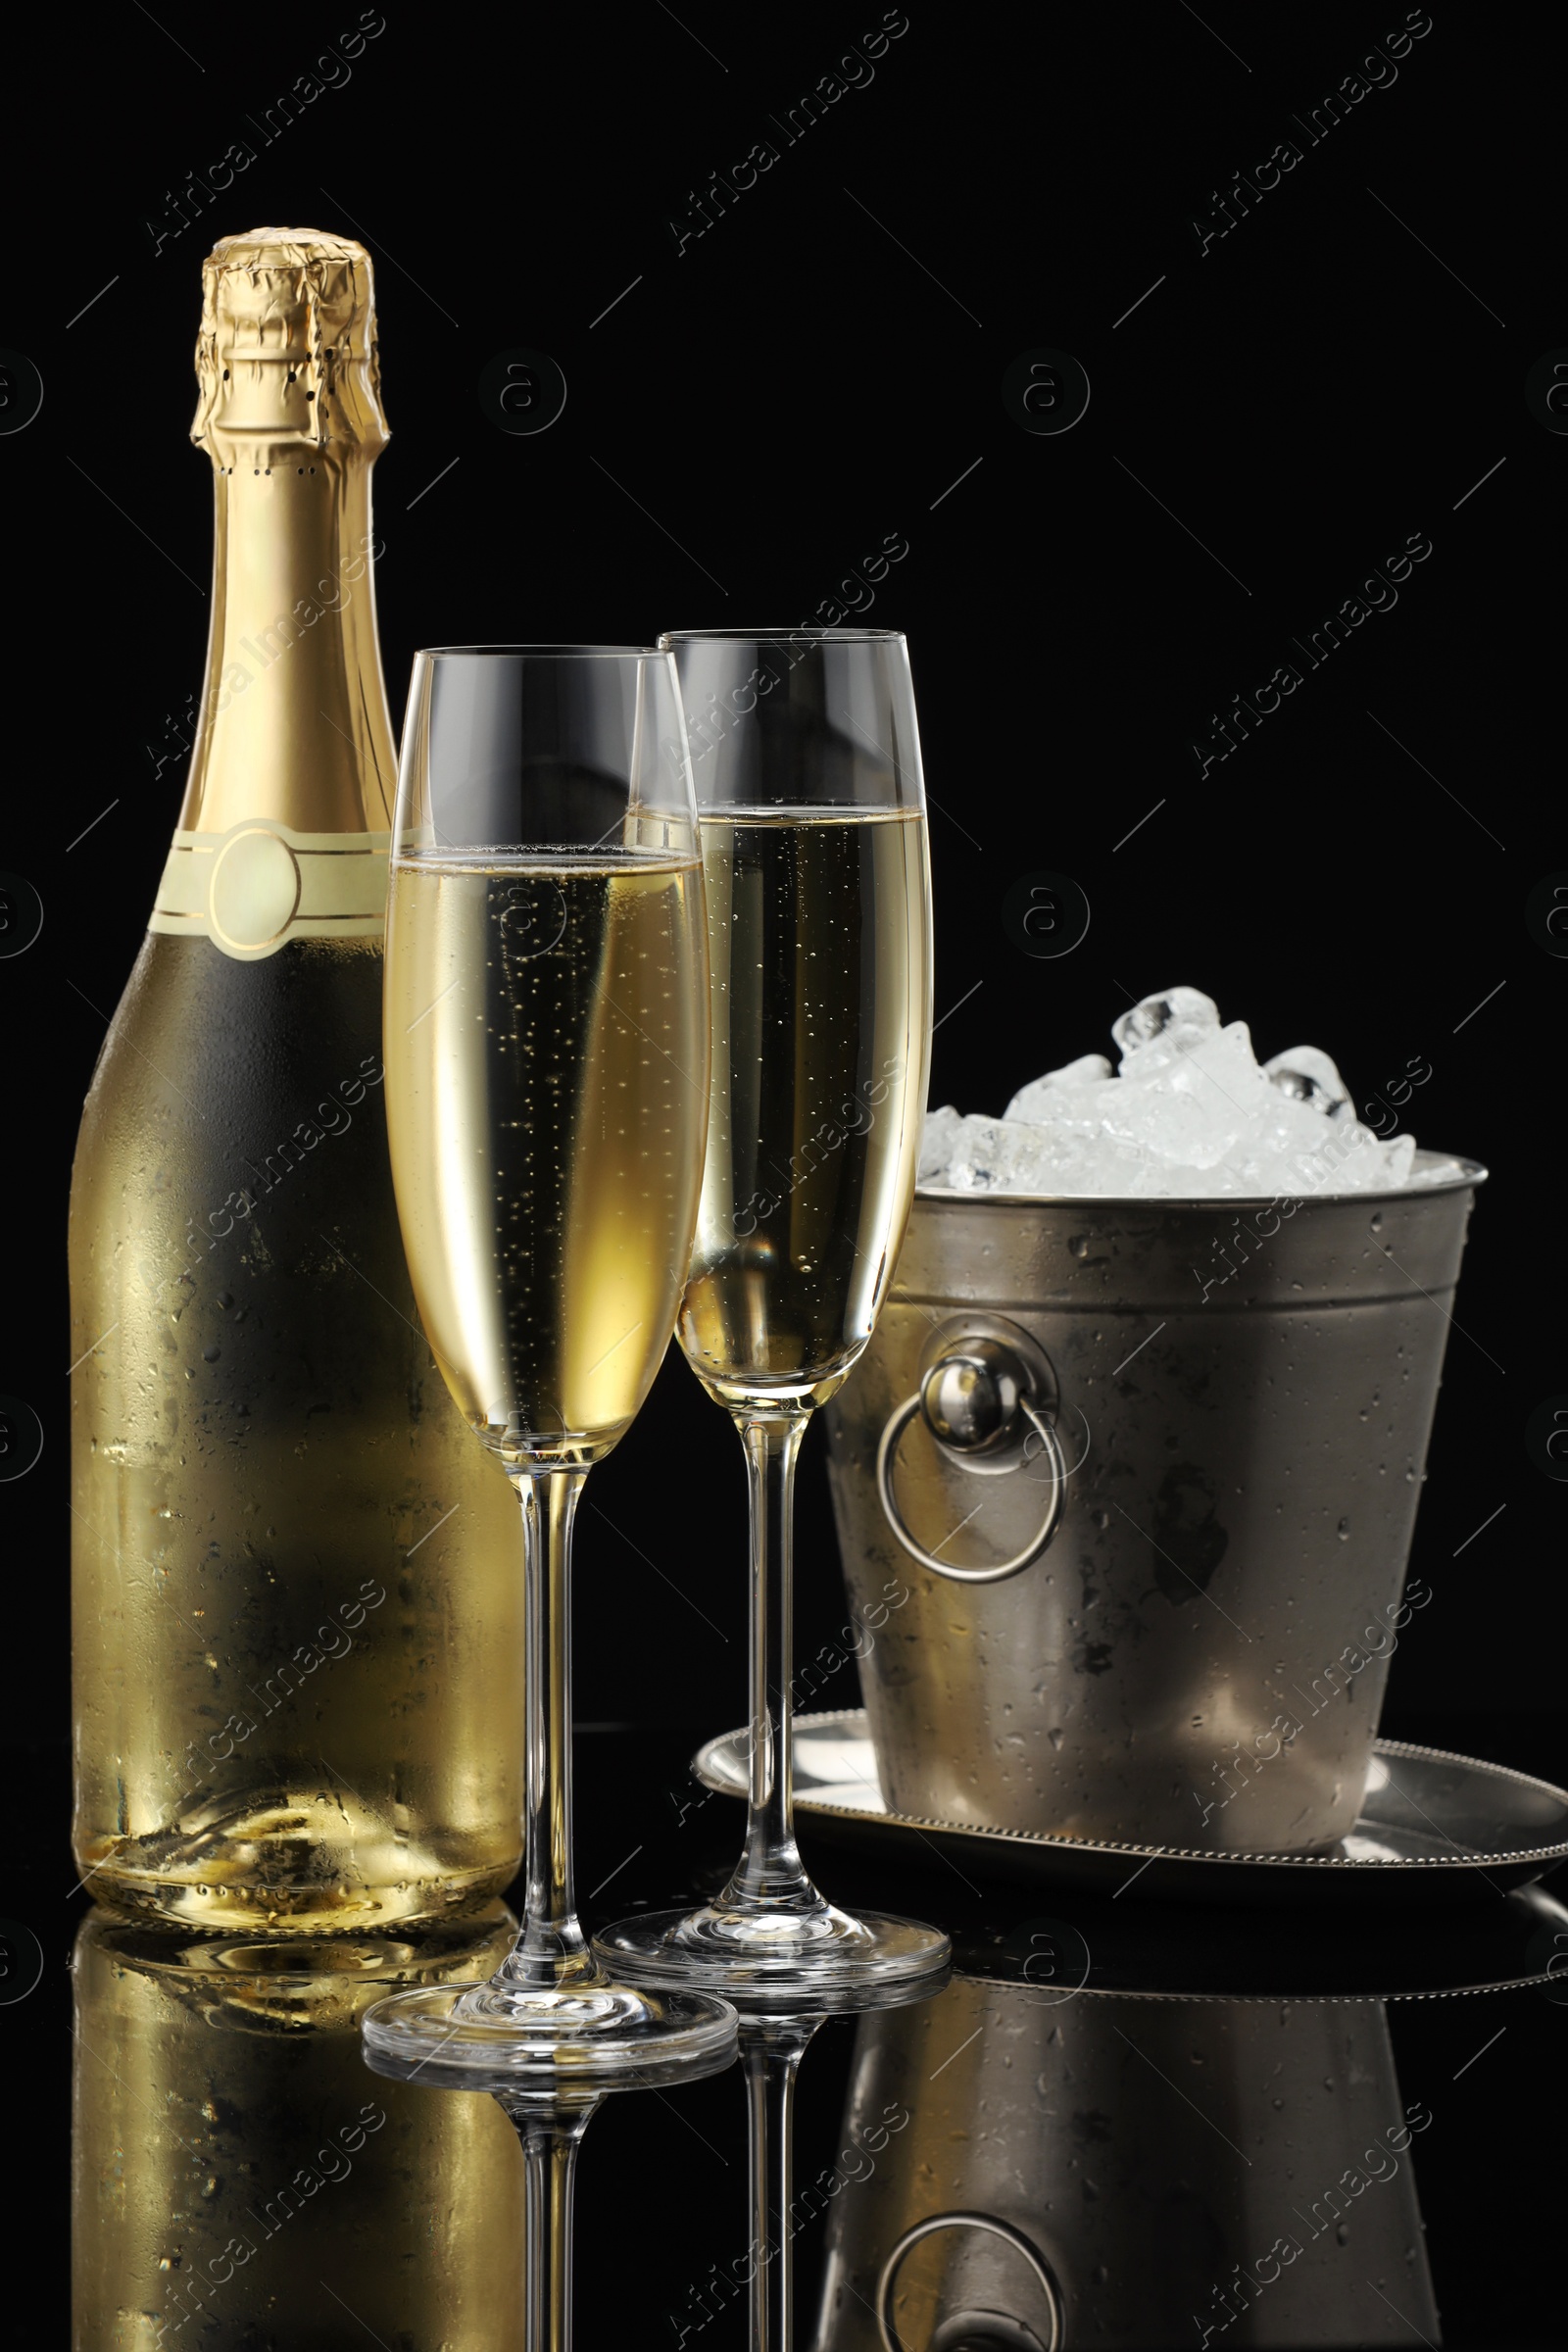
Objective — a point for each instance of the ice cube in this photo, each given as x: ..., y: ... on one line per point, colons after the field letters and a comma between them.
x: 1033, y: 1102
x: 1397, y: 1158
x: 1171, y: 1022
x: 1013, y: 1156
x: 983, y: 1156
x: 1195, y: 1109
x: 1091, y: 1164
x: 1307, y: 1075
x: 1346, y: 1158
x: 937, y: 1138
x: 1223, y: 1062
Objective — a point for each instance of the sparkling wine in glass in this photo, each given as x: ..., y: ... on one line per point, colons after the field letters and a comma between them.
x: 808, y: 767
x: 546, y: 1049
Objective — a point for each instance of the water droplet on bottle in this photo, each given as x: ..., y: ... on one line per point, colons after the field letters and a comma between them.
x: 210, y: 1356
x: 1344, y: 1531
x: 1342, y: 2233
x: 1377, y: 1220
x: 1078, y: 1244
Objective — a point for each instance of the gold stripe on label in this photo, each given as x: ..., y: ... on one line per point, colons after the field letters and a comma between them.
x: 259, y: 885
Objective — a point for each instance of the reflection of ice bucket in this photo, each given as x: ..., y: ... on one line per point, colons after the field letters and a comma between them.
x: 1040, y: 2171
x: 1125, y: 1492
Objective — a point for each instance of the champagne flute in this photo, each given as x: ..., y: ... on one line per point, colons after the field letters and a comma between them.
x: 808, y: 767
x: 546, y: 1047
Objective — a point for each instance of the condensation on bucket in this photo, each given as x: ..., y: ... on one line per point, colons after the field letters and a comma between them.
x: 1242, y: 1396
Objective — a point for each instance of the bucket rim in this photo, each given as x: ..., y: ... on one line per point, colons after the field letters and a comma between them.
x: 1472, y: 1173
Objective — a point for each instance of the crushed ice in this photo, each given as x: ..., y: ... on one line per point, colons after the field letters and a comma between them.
x: 1189, y: 1114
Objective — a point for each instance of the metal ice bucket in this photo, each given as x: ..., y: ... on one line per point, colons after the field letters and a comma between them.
x: 1124, y: 1492
x: 1031, y: 2172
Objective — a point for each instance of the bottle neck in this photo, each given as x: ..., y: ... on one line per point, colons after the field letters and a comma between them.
x: 294, y: 730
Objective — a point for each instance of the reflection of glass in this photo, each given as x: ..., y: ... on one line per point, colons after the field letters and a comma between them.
x: 1109, y: 2170
x: 808, y: 767
x: 550, y: 2122
x: 547, y: 1098
x: 772, y: 2043
x: 240, y: 2180
x: 771, y: 2050
x: 551, y: 2130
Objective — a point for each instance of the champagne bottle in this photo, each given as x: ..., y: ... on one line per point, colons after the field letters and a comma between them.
x: 240, y: 2177
x: 297, y: 1622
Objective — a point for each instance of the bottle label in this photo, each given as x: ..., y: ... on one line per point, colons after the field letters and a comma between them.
x: 261, y: 884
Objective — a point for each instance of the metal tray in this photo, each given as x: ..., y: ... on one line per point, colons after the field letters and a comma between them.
x: 1434, y: 1828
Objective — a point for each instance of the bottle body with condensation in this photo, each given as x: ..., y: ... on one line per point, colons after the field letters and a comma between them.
x: 296, y: 1621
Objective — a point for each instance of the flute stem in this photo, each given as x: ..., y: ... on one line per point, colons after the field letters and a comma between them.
x: 552, y: 1950
x: 770, y: 1874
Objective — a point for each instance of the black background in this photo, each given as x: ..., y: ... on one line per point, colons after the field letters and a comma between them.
x: 749, y: 421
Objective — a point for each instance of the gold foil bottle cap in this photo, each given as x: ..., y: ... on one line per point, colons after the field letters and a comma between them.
x: 286, y: 357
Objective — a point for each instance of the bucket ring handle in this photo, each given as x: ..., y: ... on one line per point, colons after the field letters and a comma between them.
x: 971, y: 1399
x: 891, y: 2341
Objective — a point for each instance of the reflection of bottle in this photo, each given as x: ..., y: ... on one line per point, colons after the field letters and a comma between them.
x: 298, y: 1621
x: 1155, y: 2169
x: 241, y: 2179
